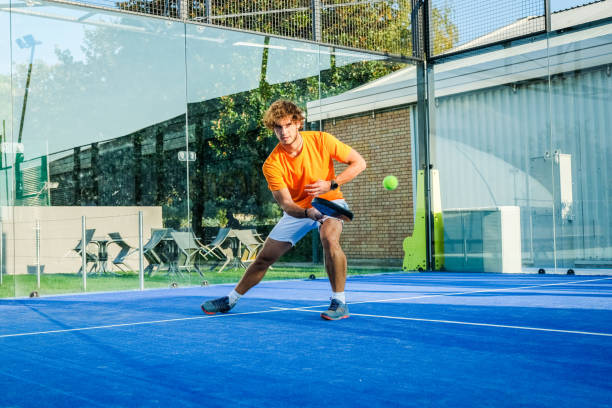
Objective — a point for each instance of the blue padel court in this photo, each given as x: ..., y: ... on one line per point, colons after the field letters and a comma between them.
x: 421, y: 340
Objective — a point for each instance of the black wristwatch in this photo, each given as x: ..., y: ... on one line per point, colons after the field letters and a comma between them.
x: 333, y: 185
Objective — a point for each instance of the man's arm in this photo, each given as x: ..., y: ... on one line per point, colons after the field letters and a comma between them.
x: 283, y: 198
x: 356, y: 164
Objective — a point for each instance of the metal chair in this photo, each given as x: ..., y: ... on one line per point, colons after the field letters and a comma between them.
x: 124, y: 252
x: 90, y: 257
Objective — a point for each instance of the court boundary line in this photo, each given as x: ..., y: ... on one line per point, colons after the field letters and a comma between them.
x: 305, y: 309
x: 459, y: 293
x: 110, y: 326
x: 505, y: 326
x: 474, y: 291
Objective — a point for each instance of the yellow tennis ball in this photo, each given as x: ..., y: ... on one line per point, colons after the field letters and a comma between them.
x: 390, y: 182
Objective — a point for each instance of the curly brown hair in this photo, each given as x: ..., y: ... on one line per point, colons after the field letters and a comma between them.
x: 281, y: 109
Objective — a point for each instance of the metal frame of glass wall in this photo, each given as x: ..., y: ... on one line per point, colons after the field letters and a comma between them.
x: 129, y: 121
x: 513, y: 129
x: 142, y: 134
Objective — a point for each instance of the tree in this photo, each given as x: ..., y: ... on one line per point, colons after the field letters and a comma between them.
x: 146, y: 64
x: 445, y: 32
x: 380, y: 25
x: 238, y: 143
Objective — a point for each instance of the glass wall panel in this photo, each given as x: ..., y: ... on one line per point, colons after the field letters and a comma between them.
x: 493, y: 161
x: 232, y: 79
x: 526, y: 127
x: 228, y: 189
x: 99, y: 105
x: 365, y: 105
x: 581, y: 125
x: 7, y: 287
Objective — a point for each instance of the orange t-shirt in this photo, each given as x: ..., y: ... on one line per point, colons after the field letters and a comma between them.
x: 314, y: 162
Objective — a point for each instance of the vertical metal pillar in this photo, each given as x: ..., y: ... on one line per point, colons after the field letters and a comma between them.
x: 140, y: 252
x: 32, y: 44
x: 316, y: 20
x: 315, y: 246
x: 425, y: 127
x: 1, y: 254
x: 184, y: 9
x: 83, y: 253
x: 422, y: 143
x: 37, y: 254
x: 208, y: 11
x: 547, y: 16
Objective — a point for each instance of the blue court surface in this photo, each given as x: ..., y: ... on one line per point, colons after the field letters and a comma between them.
x: 414, y: 340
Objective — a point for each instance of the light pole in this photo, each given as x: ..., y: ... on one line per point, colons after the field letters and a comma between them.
x: 27, y: 41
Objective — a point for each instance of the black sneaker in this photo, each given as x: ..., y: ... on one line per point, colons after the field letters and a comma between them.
x: 216, y: 305
x: 337, y: 310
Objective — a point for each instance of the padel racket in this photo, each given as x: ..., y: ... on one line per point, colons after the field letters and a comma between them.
x: 332, y: 209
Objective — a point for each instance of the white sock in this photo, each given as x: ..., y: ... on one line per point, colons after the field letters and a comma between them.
x: 339, y: 296
x: 233, y: 297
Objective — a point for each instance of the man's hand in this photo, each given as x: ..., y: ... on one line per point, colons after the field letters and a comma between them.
x: 314, y: 214
x: 317, y: 188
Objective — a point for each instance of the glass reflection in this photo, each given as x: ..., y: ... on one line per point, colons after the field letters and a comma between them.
x: 517, y: 128
x: 232, y: 79
x: 359, y: 108
x: 7, y: 286
x: 580, y: 127
x: 99, y: 99
x: 493, y: 155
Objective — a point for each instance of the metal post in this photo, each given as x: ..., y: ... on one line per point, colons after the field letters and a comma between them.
x: 547, y: 15
x: 183, y: 9
x: 422, y: 144
x: 315, y: 246
x: 48, y: 184
x: 416, y: 29
x: 426, y: 18
x: 37, y: 254
x: 83, y: 253
x: 140, y: 252
x: 425, y: 129
x: 208, y: 11
x: 1, y: 254
x: 2, y: 140
x: 25, y: 95
x: 316, y: 20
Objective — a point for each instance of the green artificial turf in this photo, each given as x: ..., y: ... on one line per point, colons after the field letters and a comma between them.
x: 24, y: 285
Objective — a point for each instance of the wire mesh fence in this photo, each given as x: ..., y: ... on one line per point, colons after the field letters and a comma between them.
x: 290, y: 18
x: 459, y: 25
x: 372, y: 25
x: 386, y: 26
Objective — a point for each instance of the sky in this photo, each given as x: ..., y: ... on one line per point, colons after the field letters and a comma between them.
x: 557, y: 5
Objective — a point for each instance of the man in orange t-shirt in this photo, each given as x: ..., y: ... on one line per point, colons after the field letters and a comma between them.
x: 299, y: 169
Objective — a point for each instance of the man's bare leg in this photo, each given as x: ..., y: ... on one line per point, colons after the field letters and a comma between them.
x: 335, y: 266
x: 335, y: 260
x: 271, y: 251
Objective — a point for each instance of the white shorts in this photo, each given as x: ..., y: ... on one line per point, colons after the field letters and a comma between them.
x: 291, y: 229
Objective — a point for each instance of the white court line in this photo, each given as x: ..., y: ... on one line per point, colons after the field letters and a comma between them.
x: 303, y: 308
x: 472, y: 323
x: 108, y: 326
x: 459, y: 293
x: 478, y: 291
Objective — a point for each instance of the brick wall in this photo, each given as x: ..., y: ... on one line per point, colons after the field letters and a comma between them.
x: 382, y: 218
